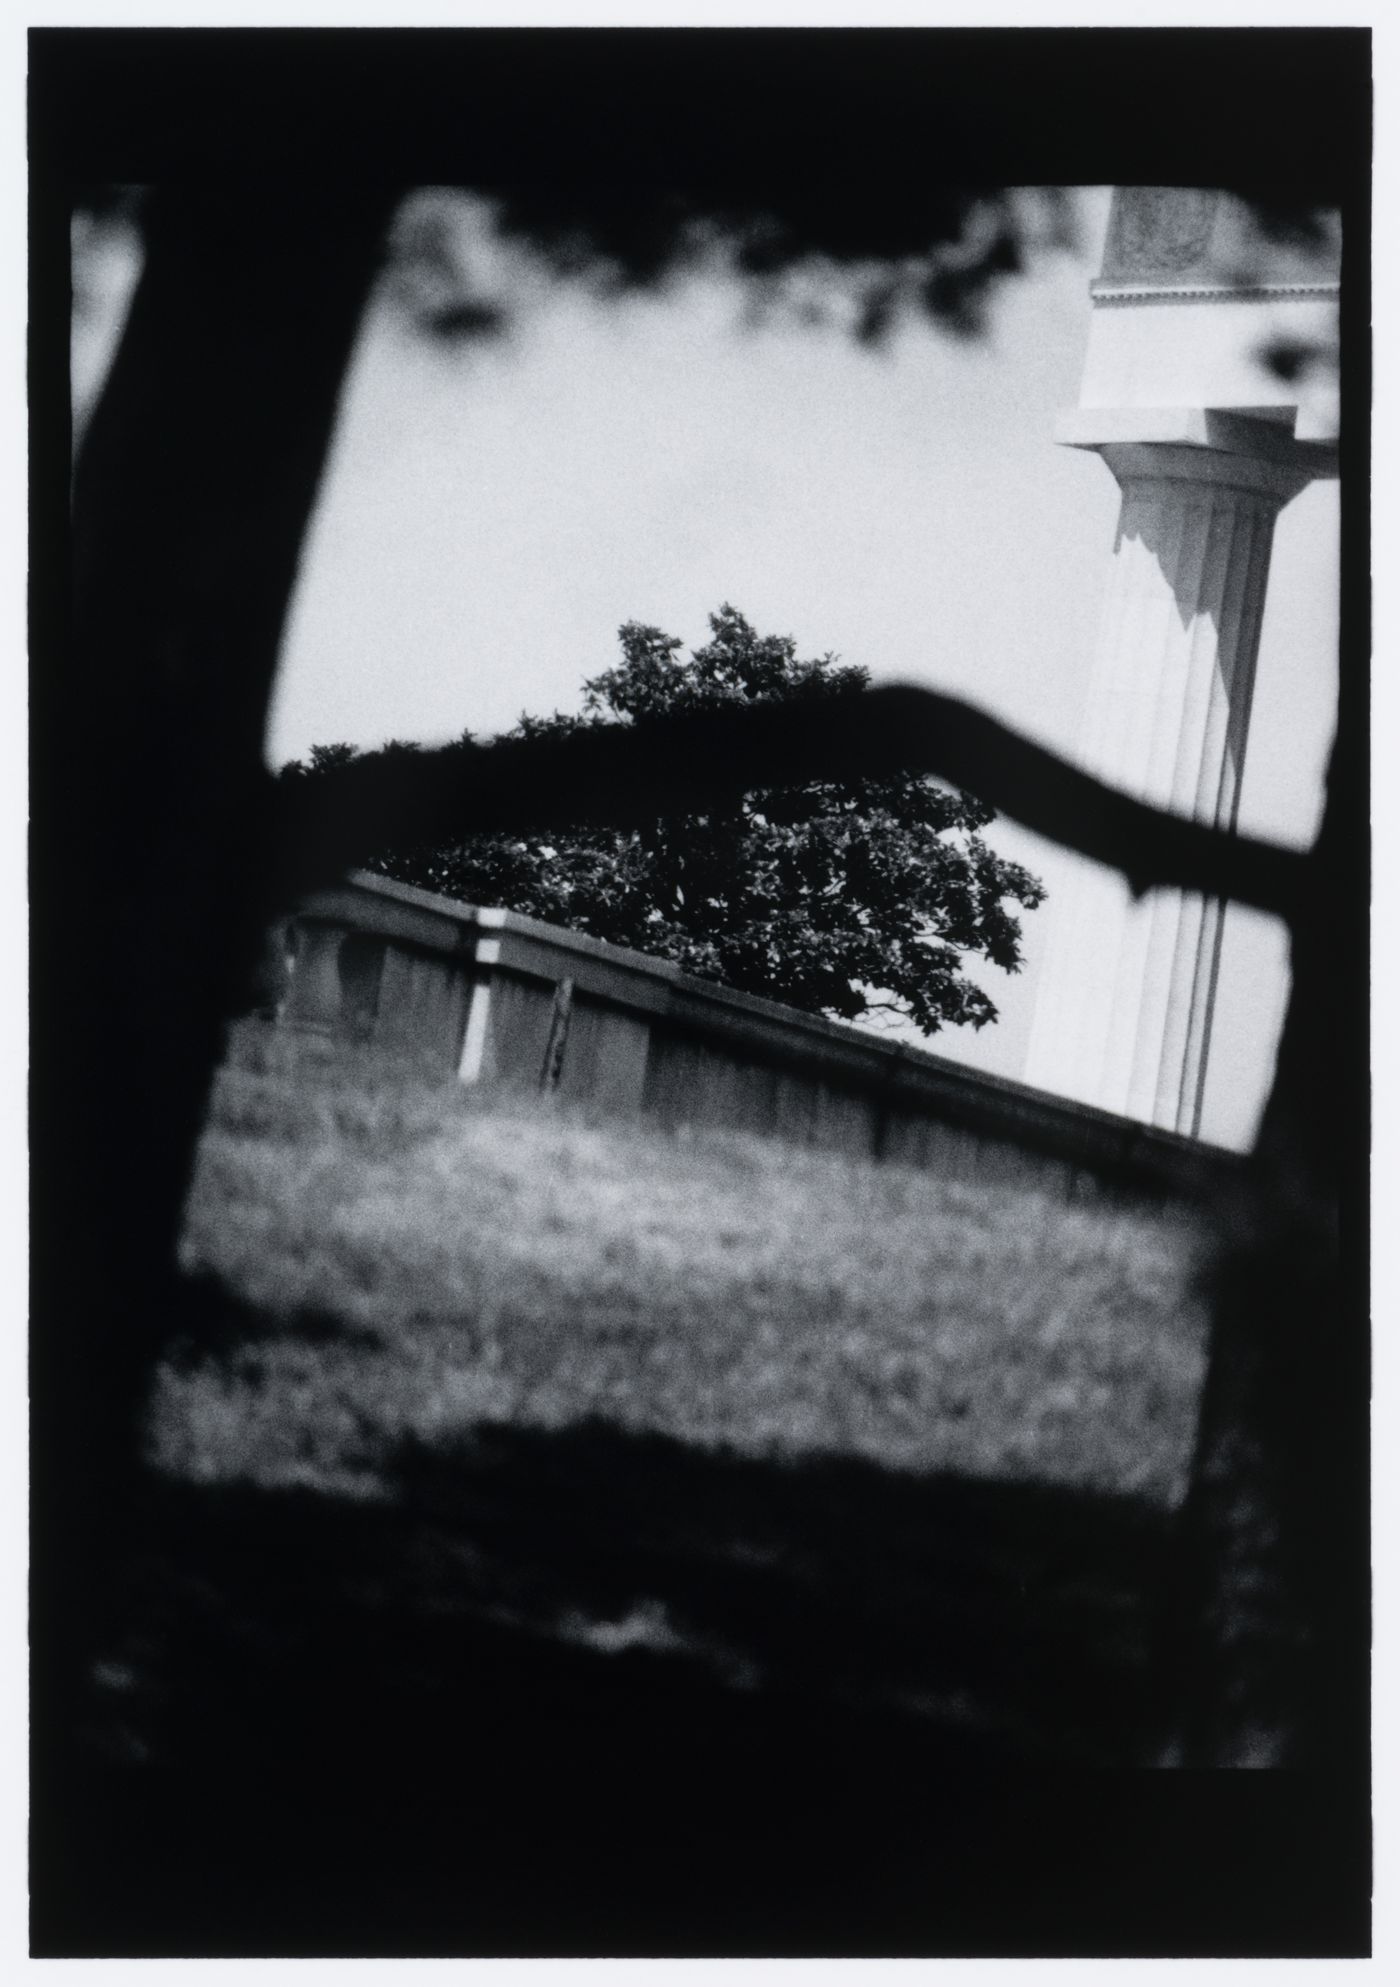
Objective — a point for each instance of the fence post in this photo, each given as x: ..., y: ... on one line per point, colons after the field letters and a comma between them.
x: 559, y: 1017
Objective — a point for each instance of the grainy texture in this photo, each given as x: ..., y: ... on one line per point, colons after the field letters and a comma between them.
x: 567, y: 1539
x: 512, y: 1264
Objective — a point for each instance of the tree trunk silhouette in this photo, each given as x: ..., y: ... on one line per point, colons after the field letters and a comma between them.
x: 1275, y: 1599
x: 191, y: 500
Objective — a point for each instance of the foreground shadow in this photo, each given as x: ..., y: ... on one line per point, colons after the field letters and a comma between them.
x: 583, y: 1692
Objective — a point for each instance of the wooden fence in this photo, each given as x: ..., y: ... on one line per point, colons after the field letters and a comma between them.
x: 489, y: 997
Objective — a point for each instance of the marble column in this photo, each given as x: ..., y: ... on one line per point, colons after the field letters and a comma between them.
x: 1124, y: 1012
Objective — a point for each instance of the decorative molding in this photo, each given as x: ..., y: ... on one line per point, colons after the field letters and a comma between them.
x: 1117, y: 296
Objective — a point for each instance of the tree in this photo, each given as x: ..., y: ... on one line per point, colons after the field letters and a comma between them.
x: 841, y: 898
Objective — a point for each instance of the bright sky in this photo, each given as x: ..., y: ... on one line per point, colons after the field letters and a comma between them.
x: 494, y: 511
x: 492, y: 516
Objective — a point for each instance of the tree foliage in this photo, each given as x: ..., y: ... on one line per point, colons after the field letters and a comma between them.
x: 841, y: 898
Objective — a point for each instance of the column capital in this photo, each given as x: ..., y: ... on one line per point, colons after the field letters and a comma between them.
x: 1249, y: 449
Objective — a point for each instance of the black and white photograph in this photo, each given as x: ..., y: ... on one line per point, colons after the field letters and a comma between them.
x: 700, y: 988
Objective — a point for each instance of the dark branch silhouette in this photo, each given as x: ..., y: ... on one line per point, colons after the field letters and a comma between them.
x: 625, y: 773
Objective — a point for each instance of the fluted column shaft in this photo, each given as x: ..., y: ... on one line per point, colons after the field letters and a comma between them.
x: 1124, y: 1012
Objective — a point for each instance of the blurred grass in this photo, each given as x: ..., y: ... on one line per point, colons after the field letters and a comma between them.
x: 570, y: 1538
x: 428, y: 1261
